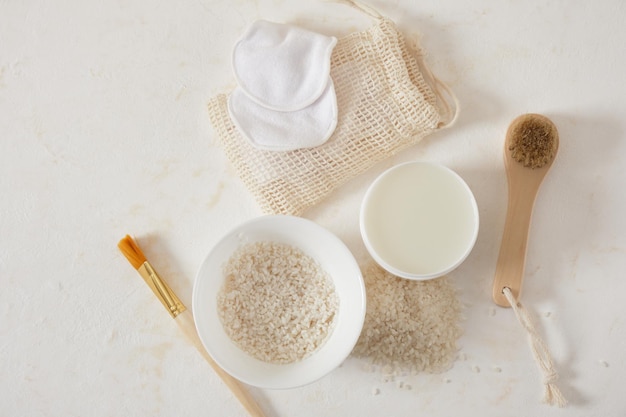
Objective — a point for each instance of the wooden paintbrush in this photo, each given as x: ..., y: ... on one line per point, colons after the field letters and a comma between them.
x: 183, y: 318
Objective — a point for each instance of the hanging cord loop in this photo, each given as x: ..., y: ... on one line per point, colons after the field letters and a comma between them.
x: 362, y: 7
x: 443, y: 92
x: 552, y: 394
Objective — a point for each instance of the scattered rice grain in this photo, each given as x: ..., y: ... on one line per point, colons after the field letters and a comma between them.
x: 409, y: 325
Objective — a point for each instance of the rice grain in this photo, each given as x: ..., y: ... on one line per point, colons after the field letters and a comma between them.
x: 276, y: 303
x: 409, y: 325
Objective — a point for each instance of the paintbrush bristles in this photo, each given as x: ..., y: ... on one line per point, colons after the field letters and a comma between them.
x: 132, y: 252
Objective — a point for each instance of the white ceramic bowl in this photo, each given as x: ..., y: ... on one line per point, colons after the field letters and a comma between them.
x: 419, y: 220
x: 332, y: 255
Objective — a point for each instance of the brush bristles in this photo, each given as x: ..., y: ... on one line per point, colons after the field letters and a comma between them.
x: 131, y: 251
x: 534, y: 141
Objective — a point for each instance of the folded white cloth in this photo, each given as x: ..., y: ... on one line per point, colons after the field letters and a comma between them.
x: 282, y: 67
x: 284, y: 131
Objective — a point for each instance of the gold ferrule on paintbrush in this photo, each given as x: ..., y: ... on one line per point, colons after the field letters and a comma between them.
x: 163, y: 292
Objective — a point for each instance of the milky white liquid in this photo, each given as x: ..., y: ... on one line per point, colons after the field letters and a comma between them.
x: 420, y: 218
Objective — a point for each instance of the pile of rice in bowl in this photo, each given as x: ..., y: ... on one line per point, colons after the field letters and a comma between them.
x: 277, y: 303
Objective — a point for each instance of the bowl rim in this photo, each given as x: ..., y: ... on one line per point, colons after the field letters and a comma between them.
x: 347, y: 327
x: 396, y: 271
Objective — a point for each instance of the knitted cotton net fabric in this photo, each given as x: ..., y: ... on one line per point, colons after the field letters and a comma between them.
x: 385, y: 105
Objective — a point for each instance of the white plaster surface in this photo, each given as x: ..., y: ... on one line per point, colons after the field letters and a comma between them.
x: 104, y: 131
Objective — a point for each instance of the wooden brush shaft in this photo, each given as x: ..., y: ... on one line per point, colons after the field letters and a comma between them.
x: 186, y: 323
x: 523, y: 185
x: 512, y: 258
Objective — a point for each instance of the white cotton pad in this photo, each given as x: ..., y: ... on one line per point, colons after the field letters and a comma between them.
x: 282, y: 67
x: 284, y: 131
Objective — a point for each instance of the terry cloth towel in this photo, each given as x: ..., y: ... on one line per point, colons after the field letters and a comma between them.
x: 284, y: 131
x: 282, y: 67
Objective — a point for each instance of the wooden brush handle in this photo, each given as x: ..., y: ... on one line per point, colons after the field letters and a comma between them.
x: 186, y: 323
x: 512, y: 258
x: 523, y: 184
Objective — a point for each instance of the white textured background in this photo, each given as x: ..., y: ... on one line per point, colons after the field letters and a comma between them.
x: 104, y: 131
